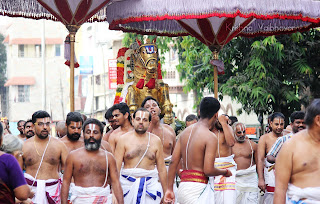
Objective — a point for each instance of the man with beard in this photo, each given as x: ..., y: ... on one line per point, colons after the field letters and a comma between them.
x: 163, y: 131
x: 112, y: 125
x: 298, y: 163
x: 245, y: 155
x: 265, y: 169
x: 297, y: 124
x: 197, y: 148
x: 142, y: 155
x: 61, y: 129
x: 74, y: 125
x: 225, y: 191
x: 20, y: 127
x: 29, y: 129
x: 42, y: 157
x: 90, y: 167
x: 121, y: 116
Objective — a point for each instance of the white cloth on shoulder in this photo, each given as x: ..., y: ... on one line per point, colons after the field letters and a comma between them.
x: 224, y: 187
x: 141, y: 186
x: 303, y: 195
x: 46, y: 191
x: 88, y: 195
x: 247, y: 186
x: 195, y: 193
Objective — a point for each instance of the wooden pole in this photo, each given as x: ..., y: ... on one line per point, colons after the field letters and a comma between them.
x: 72, y: 30
x: 215, y: 73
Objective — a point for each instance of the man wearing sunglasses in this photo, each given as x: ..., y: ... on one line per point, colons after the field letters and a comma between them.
x: 42, y: 157
x: 245, y: 155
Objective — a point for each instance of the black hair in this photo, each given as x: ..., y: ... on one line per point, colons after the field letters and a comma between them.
x: 108, y: 114
x: 297, y: 115
x: 208, y: 107
x: 312, y: 111
x: 39, y: 114
x: 74, y: 117
x: 122, y: 107
x: 191, y: 117
x: 144, y: 110
x: 276, y: 115
x: 233, y: 119
x: 147, y: 99
x: 20, y: 122
x: 28, y: 121
x: 93, y: 121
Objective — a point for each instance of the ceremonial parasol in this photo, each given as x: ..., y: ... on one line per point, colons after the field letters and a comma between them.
x: 72, y: 13
x: 214, y: 22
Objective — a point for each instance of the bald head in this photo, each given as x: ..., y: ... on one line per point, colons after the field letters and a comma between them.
x: 61, y: 129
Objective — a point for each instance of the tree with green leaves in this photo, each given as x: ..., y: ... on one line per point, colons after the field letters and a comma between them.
x: 264, y: 74
x: 3, y: 65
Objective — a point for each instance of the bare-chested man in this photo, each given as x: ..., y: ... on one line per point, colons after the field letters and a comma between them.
x: 264, y: 168
x: 297, y: 124
x: 29, y: 129
x: 225, y: 191
x: 90, y: 167
x: 121, y: 116
x: 20, y: 127
x: 142, y: 154
x: 74, y: 123
x: 42, y: 157
x: 197, y: 147
x: 163, y: 131
x: 112, y: 125
x: 298, y: 163
x: 245, y: 155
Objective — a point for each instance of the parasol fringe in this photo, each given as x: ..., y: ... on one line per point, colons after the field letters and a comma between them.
x: 34, y: 10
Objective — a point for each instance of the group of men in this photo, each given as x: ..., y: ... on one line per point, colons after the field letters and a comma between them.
x: 138, y: 159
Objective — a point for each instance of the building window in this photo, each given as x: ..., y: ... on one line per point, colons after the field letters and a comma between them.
x: 170, y: 75
x: 98, y: 80
x: 23, y: 93
x: 57, y: 50
x: 21, y: 51
x: 37, y: 50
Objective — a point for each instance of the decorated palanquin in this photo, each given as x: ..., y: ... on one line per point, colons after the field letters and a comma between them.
x: 139, y: 75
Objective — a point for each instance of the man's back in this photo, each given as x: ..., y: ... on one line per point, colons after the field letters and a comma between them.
x: 200, y: 140
x: 54, y: 155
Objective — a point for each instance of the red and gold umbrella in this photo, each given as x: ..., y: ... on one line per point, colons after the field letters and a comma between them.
x: 72, y: 13
x: 214, y: 22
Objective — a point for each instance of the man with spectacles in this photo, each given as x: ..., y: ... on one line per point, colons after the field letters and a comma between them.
x: 245, y: 155
x: 42, y: 157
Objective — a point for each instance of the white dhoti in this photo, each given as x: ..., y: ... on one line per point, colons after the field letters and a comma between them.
x: 46, y: 191
x: 247, y: 186
x: 195, y: 188
x: 270, y: 180
x: 90, y: 195
x: 224, y: 187
x: 309, y: 195
x: 141, y: 186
